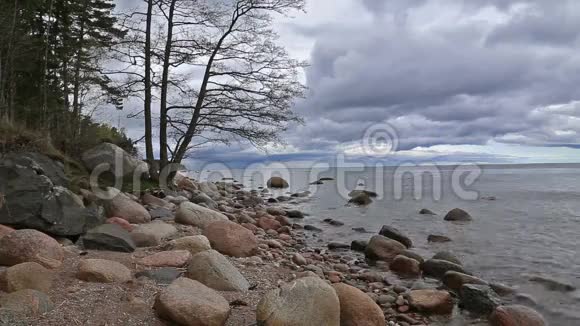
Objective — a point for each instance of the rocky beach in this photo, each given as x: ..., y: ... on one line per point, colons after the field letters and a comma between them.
x: 210, y: 253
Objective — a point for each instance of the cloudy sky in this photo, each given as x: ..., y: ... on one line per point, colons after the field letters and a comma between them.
x: 449, y: 81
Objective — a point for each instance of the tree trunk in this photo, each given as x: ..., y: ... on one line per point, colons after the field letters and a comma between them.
x: 147, y: 102
x: 77, y: 74
x: 163, y: 160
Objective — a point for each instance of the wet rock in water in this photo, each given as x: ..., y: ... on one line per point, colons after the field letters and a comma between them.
x: 457, y: 214
x: 152, y: 234
x: 124, y: 207
x: 479, y: 299
x: 357, y: 308
x: 195, y: 215
x: 277, y: 182
x: 438, y: 238
x: 194, y: 244
x: 431, y: 301
x: 516, y: 316
x: 272, y: 200
x: 306, y: 301
x: 295, y: 214
x: 23, y: 246
x: 326, y: 179
x: 383, y: 248
x: 405, y: 266
x: 312, y: 228
x: 359, y: 245
x: 448, y: 256
x: 413, y: 255
x: 302, y: 194
x: 26, y: 303
x: 214, y: 270
x: 455, y: 280
x: 333, y: 222
x: 275, y: 211
x: 553, y: 284
x: 164, y: 275
x: 502, y: 289
x: 108, y: 237
x: 437, y: 268
x: 283, y: 198
x: 426, y: 211
x: 319, y: 182
x: 361, y: 230
x: 361, y: 199
x: 355, y: 193
x: 188, y: 302
x: 24, y: 276
x: 393, y: 233
x: 338, y: 245
x: 175, y: 258
x: 489, y: 198
x: 231, y: 239
x: 103, y: 271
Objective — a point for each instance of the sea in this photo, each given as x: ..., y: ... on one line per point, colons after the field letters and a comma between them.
x: 526, y: 218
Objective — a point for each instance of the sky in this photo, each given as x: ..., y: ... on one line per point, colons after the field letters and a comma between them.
x: 427, y: 81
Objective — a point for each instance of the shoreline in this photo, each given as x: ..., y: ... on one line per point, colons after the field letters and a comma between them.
x: 283, y: 255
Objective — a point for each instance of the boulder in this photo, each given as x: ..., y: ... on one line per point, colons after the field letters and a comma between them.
x: 516, y: 316
x: 188, y: 302
x: 455, y: 280
x: 412, y: 254
x: 152, y: 234
x: 175, y: 258
x: 29, y: 275
x: 115, y: 160
x: 431, y: 301
x: 457, y: 214
x: 357, y: 308
x: 383, y: 248
x: 393, y: 233
x: 231, y: 239
x: 110, y: 237
x: 277, y: 182
x: 35, y: 196
x: 448, y: 256
x: 214, y: 270
x: 426, y: 211
x: 23, y: 246
x: 124, y: 207
x: 103, y: 271
x: 27, y: 303
x: 295, y: 214
x: 307, y: 301
x: 358, y: 245
x: 405, y: 266
x: 275, y: 211
x: 268, y: 223
x: 437, y: 268
x: 479, y: 299
x: 195, y: 215
x: 202, y: 198
x: 194, y: 244
x: 149, y: 199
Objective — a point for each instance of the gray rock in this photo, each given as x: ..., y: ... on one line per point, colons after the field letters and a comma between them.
x: 308, y: 301
x: 295, y: 214
x: 358, y: 245
x: 214, y: 270
x: 426, y: 211
x: 395, y: 234
x: 438, y: 238
x: 457, y: 214
x: 201, y: 198
x: 446, y: 255
x: 110, y: 237
x: 161, y: 213
x: 478, y: 299
x: 35, y: 197
x: 152, y: 234
x: 196, y: 215
x: 119, y: 162
x: 437, y: 268
x: 338, y: 245
x: 361, y: 199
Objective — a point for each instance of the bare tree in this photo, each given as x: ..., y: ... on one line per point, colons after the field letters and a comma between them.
x: 249, y: 82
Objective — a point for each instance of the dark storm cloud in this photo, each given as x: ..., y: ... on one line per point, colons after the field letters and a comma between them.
x: 447, y: 82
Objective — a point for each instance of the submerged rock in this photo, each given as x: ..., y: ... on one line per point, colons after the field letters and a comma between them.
x: 457, y: 214
x: 553, y: 284
x: 426, y: 211
x: 361, y: 199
